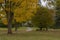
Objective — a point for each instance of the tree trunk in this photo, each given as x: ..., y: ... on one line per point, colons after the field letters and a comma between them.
x: 9, y: 20
x: 16, y: 28
x: 9, y: 28
x: 41, y: 28
x: 46, y: 28
x: 15, y: 25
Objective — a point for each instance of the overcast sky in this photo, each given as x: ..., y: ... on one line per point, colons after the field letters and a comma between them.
x: 44, y: 3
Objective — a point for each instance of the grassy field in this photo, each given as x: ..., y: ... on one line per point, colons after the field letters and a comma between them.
x: 32, y: 35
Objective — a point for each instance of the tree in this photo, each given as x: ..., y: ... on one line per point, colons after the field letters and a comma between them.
x: 57, y: 13
x: 43, y: 18
x: 26, y: 12
x: 8, y: 6
x: 17, y: 9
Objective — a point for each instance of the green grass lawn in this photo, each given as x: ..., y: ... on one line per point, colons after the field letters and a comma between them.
x: 33, y: 35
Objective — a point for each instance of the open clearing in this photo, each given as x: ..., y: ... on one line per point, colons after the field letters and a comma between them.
x: 33, y: 35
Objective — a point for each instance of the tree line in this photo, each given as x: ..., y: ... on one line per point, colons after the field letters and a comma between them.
x: 20, y: 11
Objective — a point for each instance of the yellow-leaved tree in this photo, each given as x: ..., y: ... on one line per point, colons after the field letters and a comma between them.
x: 20, y: 10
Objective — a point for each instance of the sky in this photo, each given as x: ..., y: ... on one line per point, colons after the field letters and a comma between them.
x: 43, y: 3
